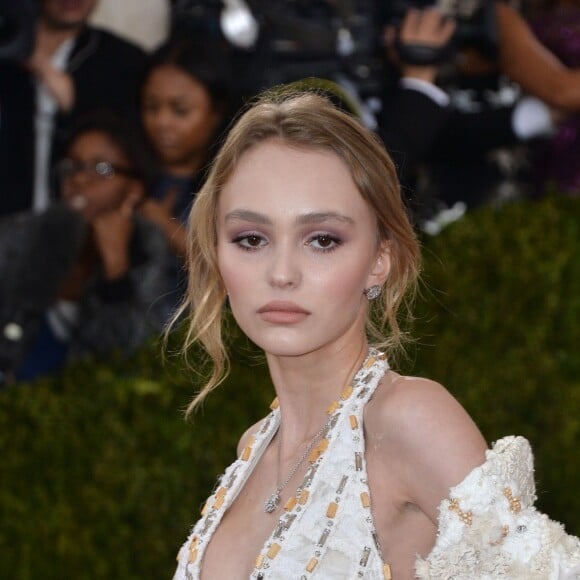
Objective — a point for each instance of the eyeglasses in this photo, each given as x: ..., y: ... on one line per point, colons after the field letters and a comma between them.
x: 95, y: 170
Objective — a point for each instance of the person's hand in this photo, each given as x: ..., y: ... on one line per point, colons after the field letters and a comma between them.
x: 426, y: 28
x: 112, y: 234
x: 160, y: 212
x: 59, y: 83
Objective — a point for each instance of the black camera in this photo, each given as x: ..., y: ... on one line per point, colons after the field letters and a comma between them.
x: 476, y: 28
x: 297, y: 38
x: 17, y: 19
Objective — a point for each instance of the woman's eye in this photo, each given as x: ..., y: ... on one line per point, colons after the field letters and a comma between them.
x: 181, y: 110
x: 324, y: 242
x: 249, y: 241
x: 150, y: 107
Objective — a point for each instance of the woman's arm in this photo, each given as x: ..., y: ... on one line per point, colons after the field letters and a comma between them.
x: 527, y: 62
x: 431, y: 438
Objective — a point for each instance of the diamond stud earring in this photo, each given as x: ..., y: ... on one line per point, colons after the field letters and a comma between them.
x: 373, y: 292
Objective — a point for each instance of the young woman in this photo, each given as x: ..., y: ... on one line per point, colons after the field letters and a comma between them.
x: 185, y: 101
x: 358, y: 472
x: 110, y: 296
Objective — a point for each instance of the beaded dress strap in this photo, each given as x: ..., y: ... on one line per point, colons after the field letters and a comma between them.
x: 346, y: 415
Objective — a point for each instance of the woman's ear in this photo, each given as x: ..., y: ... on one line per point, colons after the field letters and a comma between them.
x: 381, y: 266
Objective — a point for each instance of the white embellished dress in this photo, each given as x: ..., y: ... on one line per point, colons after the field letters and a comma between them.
x: 488, y: 527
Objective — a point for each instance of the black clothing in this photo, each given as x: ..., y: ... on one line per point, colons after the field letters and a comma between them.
x: 106, y: 72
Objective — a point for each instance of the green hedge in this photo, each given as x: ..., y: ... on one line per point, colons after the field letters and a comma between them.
x: 101, y: 477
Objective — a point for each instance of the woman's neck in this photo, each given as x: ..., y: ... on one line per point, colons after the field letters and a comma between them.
x: 307, y: 385
x: 186, y: 168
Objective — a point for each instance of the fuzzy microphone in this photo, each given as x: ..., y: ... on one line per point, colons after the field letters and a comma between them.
x: 37, y: 251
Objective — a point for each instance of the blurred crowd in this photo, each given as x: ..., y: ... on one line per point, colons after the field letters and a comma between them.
x: 111, y: 112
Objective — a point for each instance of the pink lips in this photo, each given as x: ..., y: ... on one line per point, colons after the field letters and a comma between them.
x: 282, y: 312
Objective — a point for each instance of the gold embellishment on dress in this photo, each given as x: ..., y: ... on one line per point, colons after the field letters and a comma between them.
x: 303, y: 497
x: 318, y: 450
x: 289, y: 505
x: 346, y: 393
x: 504, y: 532
x: 248, y: 449
x: 353, y: 421
x: 314, y: 455
x: 332, y: 509
x: 323, y: 445
x: 387, y: 572
x: 370, y: 362
x: 465, y: 517
x: 219, y: 497
x: 311, y: 565
x: 332, y: 407
x: 205, y: 507
x: 274, y: 404
x: 365, y: 499
x: 259, y: 561
x: 515, y: 503
x: 193, y: 550
x: 273, y: 551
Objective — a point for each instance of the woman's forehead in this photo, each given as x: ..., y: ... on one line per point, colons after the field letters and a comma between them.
x: 274, y: 183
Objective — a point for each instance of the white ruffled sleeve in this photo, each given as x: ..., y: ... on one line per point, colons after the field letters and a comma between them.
x: 490, y: 529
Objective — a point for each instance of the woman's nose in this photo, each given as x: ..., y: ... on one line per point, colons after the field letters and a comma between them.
x: 162, y: 118
x: 284, y: 269
x: 78, y: 179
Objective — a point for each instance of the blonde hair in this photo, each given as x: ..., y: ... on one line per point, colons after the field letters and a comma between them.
x: 302, y: 120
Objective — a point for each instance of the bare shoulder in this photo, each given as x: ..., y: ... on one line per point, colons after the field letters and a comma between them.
x: 413, y: 404
x: 248, y: 433
x: 425, y: 432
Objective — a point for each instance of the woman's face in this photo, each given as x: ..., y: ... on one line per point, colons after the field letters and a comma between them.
x: 297, y: 245
x: 96, y: 175
x: 179, y: 116
x: 67, y: 13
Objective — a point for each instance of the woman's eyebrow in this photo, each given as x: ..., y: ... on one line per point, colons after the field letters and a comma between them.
x: 306, y: 219
x: 323, y: 216
x: 246, y: 215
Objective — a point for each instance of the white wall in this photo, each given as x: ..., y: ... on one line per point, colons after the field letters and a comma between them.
x: 144, y: 22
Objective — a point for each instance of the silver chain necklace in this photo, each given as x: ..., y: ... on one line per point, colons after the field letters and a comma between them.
x: 274, y: 500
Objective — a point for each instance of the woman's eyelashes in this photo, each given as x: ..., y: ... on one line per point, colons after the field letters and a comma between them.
x: 319, y: 242
x: 249, y: 242
x: 324, y: 242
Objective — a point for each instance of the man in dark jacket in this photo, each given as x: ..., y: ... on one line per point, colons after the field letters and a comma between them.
x: 74, y: 69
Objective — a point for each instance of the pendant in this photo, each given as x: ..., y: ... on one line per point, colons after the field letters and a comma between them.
x: 272, y: 502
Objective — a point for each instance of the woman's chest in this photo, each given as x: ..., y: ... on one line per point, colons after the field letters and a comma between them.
x: 243, y: 530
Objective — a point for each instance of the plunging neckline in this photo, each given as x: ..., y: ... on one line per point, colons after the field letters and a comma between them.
x: 231, y: 484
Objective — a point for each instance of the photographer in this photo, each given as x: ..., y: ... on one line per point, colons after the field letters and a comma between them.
x: 73, y: 69
x: 446, y: 148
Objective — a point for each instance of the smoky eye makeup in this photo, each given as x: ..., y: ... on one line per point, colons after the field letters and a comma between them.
x: 249, y: 241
